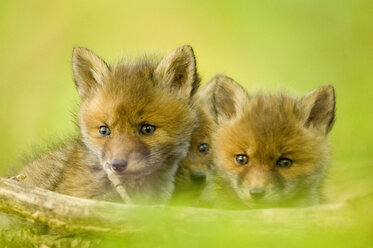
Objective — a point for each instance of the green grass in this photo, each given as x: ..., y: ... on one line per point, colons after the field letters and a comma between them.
x: 270, y: 45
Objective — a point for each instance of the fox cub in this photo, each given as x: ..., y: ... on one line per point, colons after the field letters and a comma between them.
x: 136, y: 118
x: 196, y: 170
x: 271, y: 150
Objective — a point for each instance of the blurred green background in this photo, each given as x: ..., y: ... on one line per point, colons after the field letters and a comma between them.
x: 270, y: 45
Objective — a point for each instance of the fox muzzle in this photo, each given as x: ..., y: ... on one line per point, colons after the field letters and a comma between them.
x: 119, y: 165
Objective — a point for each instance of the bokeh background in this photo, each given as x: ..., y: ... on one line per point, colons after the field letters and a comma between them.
x: 290, y: 45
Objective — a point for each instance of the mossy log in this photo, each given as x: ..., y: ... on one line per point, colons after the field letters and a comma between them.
x: 76, y: 216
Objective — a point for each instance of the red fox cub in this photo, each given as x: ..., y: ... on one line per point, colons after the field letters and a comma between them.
x: 196, y: 170
x: 136, y: 118
x: 272, y: 150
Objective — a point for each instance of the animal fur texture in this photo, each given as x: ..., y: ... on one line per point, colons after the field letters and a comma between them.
x: 271, y: 150
x: 196, y: 171
x: 137, y: 118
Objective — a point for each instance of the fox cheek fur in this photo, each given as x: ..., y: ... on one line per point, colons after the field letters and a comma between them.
x: 272, y: 149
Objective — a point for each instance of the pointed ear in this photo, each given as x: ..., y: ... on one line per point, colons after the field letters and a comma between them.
x: 177, y: 72
x: 318, y: 108
x: 222, y: 98
x: 89, y: 71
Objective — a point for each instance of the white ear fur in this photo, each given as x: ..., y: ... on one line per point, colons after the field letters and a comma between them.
x: 89, y: 71
x: 318, y: 108
x: 177, y: 72
x: 223, y: 98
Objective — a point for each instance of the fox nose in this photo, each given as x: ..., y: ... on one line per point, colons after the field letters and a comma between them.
x: 257, y: 193
x: 198, y: 177
x: 119, y: 165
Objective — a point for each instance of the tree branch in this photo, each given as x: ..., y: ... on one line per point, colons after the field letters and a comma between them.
x: 76, y: 215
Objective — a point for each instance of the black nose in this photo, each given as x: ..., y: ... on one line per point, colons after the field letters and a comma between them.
x: 257, y: 193
x: 198, y: 177
x: 118, y: 165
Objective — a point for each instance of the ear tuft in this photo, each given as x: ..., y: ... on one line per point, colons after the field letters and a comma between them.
x: 318, y: 108
x: 223, y: 98
x: 89, y: 71
x: 177, y: 72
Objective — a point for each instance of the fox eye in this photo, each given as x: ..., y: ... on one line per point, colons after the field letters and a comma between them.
x: 242, y: 159
x: 203, y: 148
x: 104, y: 130
x: 284, y: 163
x: 147, y: 129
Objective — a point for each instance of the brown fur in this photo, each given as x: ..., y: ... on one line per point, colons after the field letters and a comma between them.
x: 267, y: 128
x: 124, y: 98
x: 189, y: 189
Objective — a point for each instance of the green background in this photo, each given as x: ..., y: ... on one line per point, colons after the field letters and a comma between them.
x: 288, y: 45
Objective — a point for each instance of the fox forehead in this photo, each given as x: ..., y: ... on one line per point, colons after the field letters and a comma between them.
x: 134, y: 99
x: 202, y: 133
x: 137, y: 72
x: 130, y: 82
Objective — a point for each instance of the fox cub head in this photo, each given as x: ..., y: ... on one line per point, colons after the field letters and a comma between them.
x: 137, y: 117
x: 272, y: 149
x: 196, y: 169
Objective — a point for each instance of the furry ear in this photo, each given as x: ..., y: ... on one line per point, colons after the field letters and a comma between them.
x: 89, y: 71
x: 177, y: 72
x: 223, y: 98
x: 318, y: 108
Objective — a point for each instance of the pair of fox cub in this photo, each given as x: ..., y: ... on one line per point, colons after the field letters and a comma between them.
x: 149, y: 124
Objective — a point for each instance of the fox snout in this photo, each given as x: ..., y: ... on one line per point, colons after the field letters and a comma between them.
x: 257, y: 183
x: 126, y: 155
x: 119, y: 165
x: 198, y: 177
x: 257, y: 193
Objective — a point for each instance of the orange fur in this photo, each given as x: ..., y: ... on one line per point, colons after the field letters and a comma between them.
x: 125, y: 98
x: 196, y: 170
x: 268, y: 129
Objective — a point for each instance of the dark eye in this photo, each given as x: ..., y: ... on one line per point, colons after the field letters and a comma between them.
x: 104, y: 130
x: 147, y: 129
x: 284, y: 163
x: 242, y: 159
x: 203, y: 148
